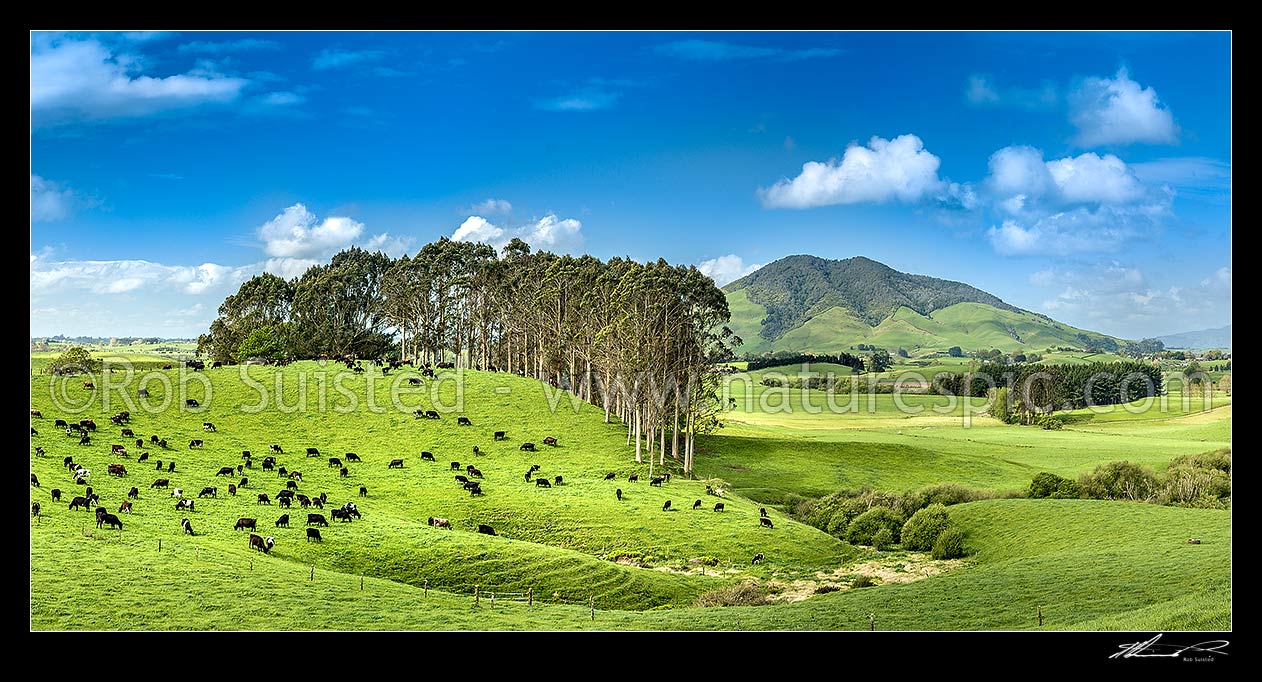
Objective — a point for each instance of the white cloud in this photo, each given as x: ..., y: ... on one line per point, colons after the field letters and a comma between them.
x: 124, y: 276
x: 74, y: 80
x: 981, y: 90
x: 1119, y: 111
x: 725, y: 269
x: 1089, y: 178
x: 1077, y: 230
x: 49, y: 201
x: 283, y: 98
x: 391, y: 246
x: 548, y: 233
x: 1019, y: 171
x: 491, y: 207
x: 298, y: 233
x: 288, y: 268
x: 900, y: 169
x: 334, y: 58
x: 191, y: 311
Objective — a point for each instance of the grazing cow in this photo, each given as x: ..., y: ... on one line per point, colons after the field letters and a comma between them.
x: 245, y: 454
x: 304, y: 501
x: 209, y: 492
x: 542, y: 483
x: 324, y: 497
x: 191, y: 403
x: 37, y: 413
x: 530, y: 447
x: 461, y: 479
x: 245, y: 523
x: 261, y: 544
x: 476, y: 451
x: 232, y: 490
x: 116, y: 470
x: 455, y: 466
x: 473, y: 471
x: 395, y: 464
x: 485, y: 529
x: 171, y: 466
x: 263, y: 499
x: 718, y: 506
x: 269, y: 464
x: 341, y: 514
x: 162, y: 443
x: 550, y: 441
x: 195, y: 443
x: 134, y: 493
x: 83, y: 440
x: 430, y: 414
x: 528, y: 476
x: 144, y: 457
x: 245, y: 480
x: 657, y: 481
x: 159, y: 467
x: 766, y: 522
x: 317, y: 518
x: 363, y: 491
x: 351, y: 509
x: 39, y: 450
x: 160, y: 483
x: 68, y: 462
x: 758, y: 558
x: 474, y: 488
x: 284, y: 502
x: 226, y: 471
x: 283, y: 521
x: 34, y: 432
x: 352, y: 457
x: 499, y: 435
x: 557, y: 480
x: 184, y: 504
x: 80, y: 502
x: 87, y: 424
x: 439, y: 523
x: 35, y: 511
x: 128, y: 433
x: 610, y: 476
x: 427, y: 456
x: 60, y: 423
x: 57, y: 494
x: 666, y: 476
x: 633, y: 478
x: 696, y: 505
x: 666, y: 506
x: 291, y: 485
x: 618, y: 492
x: 314, y: 534
x: 414, y: 381
x: 276, y: 448
x: 153, y: 439
x: 143, y: 393
x: 187, y: 526
x: 112, y: 520
x: 207, y: 426
x: 88, y: 384
x: 534, y: 468
x: 762, y: 511
x: 282, y: 472
x: 335, y: 462
x: 35, y: 480
x: 177, y: 492
x: 463, y: 421
x: 312, y: 452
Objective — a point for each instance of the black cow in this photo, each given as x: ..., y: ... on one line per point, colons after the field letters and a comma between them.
x: 191, y: 403
x: 276, y: 448
x: 161, y: 483
x: 195, y: 443
x: 557, y: 480
x: 657, y: 481
x: 461, y: 479
x: 633, y: 478
x: 282, y: 472
x: 263, y: 499
x: 209, y: 492
x: 762, y: 511
x: 542, y: 483
x: 766, y: 522
x: 284, y: 502
x: 463, y: 421
x: 80, y: 502
x: 474, y: 488
x: 304, y: 500
x: 244, y: 482
x: 666, y: 506
x: 226, y: 471
x: 291, y: 485
x: 485, y: 529
x: 430, y: 414
x: 618, y: 492
x: 473, y: 471
x: 610, y: 476
x: 232, y: 489
x: 341, y: 514
x: 67, y: 462
x: 427, y: 456
x: 534, y: 468
x: 455, y: 466
x: 134, y: 493
x: 528, y: 473
x: 143, y: 393
x: 718, y: 506
x: 34, y: 480
x: 395, y: 464
x: 335, y: 462
x: 757, y: 558
x: 530, y: 447
x: 127, y: 433
x: 245, y: 523
x: 207, y: 426
x: 499, y: 435
x: 153, y: 439
x: 269, y: 464
x: 314, y: 534
x: 352, y: 457
x: 60, y: 423
x: 696, y: 505
x: 170, y: 466
x: 344, y: 472
x: 112, y: 520
x: 283, y: 521
x: 476, y: 451
x: 144, y: 457
x: 162, y: 443
x: 312, y: 452
x: 35, y: 509
x: 57, y: 494
x: 317, y: 519
x: 363, y: 491
x: 550, y: 441
x: 83, y: 440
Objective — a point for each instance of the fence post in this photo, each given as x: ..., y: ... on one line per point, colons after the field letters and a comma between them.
x: 251, y: 562
x: 492, y: 600
x: 475, y: 595
x: 530, y: 595
x: 313, y: 572
x: 361, y: 582
x: 1040, y: 616
x: 872, y: 621
x: 159, y: 545
x: 592, y: 601
x: 427, y: 588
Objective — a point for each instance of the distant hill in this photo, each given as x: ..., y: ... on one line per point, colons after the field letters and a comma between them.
x: 806, y: 303
x: 1204, y: 338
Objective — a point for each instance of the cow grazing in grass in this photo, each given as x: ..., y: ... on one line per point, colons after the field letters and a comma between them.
x: 461, y: 479
x: 264, y: 545
x: 187, y: 526
x: 666, y: 506
x: 269, y: 464
x: 317, y: 519
x: 476, y: 451
x: 181, y: 505
x: 455, y: 466
x: 283, y: 521
x: 463, y: 421
x: 474, y: 488
x: 282, y: 472
x: 80, y: 502
x: 313, y: 452
x: 427, y: 456
x: 542, y: 483
x: 291, y: 485
x: 124, y: 508
x: 550, y: 441
x: 35, y: 480
x: 430, y: 414
x: 352, y: 457
x: 766, y: 522
x: 37, y: 414
x: 263, y: 499
x: 276, y: 448
x: 473, y: 471
x: 696, y: 505
x: 245, y: 523
x: 144, y: 457
x: 35, y: 510
x: 61, y: 423
x: 87, y: 424
x: 171, y: 466
x: 232, y: 490
x: 335, y: 462
x: 226, y: 471
x: 191, y: 403
x: 113, y: 521
x: 363, y: 491
x: 57, y: 494
x: 485, y: 529
x: 618, y: 492
x: 395, y: 464
x: 633, y: 478
x: 162, y: 443
x: 160, y: 483
x: 757, y: 558
x: 534, y: 468
x: 83, y: 440
x: 207, y: 426
x: 89, y: 385
x: 718, y: 506
x: 209, y: 492
x: 195, y: 443
x: 314, y: 534
x: 528, y: 473
x: 340, y: 514
x: 657, y: 481
x: 610, y: 476
x: 499, y: 435
x: 116, y: 470
x: 153, y: 439
x: 762, y: 511
x: 284, y: 502
x: 557, y: 480
x: 439, y: 523
x: 143, y: 393
x: 244, y: 482
x: 134, y: 493
x: 529, y: 447
x: 128, y: 433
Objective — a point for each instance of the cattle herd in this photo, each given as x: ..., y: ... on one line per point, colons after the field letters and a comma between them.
x: 345, y: 513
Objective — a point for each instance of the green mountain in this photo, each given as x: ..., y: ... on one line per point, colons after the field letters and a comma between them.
x: 1204, y: 338
x: 805, y: 303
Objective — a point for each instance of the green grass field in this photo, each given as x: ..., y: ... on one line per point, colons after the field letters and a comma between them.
x: 1099, y: 565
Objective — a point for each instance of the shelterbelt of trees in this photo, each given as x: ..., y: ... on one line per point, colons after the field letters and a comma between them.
x: 639, y: 339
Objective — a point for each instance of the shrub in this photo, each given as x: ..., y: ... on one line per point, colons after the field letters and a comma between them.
x: 825, y: 589
x: 1189, y: 486
x: 744, y: 594
x: 863, y: 581
x: 1216, y: 459
x: 1050, y: 423
x: 842, y: 517
x: 861, y: 530
x: 1047, y: 484
x: 924, y: 527
x: 952, y: 493
x: 882, y: 539
x: 949, y: 545
x: 999, y: 407
x: 1119, y: 481
x: 74, y: 360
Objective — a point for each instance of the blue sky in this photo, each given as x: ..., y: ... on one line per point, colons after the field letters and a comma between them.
x: 1081, y: 175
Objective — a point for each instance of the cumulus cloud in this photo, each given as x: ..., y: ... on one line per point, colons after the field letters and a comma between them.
x: 335, y: 58
x: 720, y: 51
x: 298, y: 233
x: 1077, y: 230
x: 390, y: 245
x: 725, y: 269
x: 1094, y: 179
x: 49, y: 200
x: 1119, y: 111
x: 124, y: 276
x: 900, y: 169
x: 83, y: 80
x: 548, y: 233
x: 288, y: 268
x: 491, y: 207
